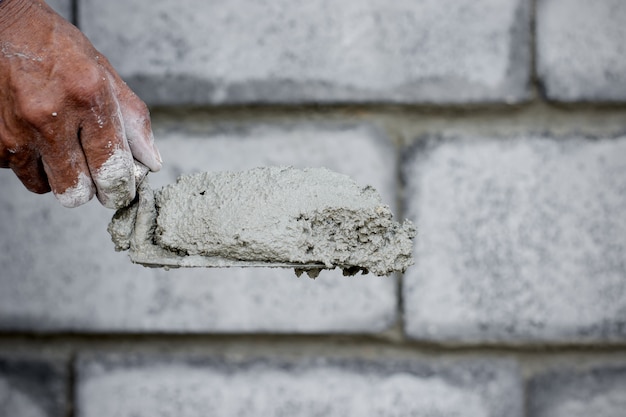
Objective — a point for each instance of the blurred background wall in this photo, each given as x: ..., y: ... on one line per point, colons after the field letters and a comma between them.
x: 497, y: 126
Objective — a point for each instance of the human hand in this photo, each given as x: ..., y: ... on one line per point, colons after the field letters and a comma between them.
x: 68, y: 123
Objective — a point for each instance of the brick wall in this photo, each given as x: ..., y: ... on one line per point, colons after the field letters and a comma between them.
x: 497, y: 126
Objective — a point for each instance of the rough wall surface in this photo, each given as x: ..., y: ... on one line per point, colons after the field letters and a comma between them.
x: 599, y: 391
x: 521, y: 239
x: 288, y: 51
x: 62, y: 7
x: 515, y: 305
x: 580, y: 49
x: 186, y: 387
x: 31, y: 387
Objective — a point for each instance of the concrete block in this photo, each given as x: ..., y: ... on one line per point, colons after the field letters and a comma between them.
x: 598, y: 392
x: 60, y: 271
x: 32, y: 388
x: 285, y: 51
x: 320, y: 387
x: 521, y: 240
x: 580, y: 49
x: 62, y: 7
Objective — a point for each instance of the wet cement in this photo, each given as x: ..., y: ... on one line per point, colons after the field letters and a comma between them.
x: 267, y: 215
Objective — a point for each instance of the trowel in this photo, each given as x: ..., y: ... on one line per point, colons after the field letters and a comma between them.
x: 272, y: 217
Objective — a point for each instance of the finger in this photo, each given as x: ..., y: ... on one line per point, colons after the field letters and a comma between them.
x: 65, y: 166
x: 141, y: 139
x: 24, y: 162
x: 70, y: 181
x: 107, y: 153
x: 136, y: 119
x: 31, y: 172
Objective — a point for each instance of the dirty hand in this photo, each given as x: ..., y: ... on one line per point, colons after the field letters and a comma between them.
x: 68, y: 123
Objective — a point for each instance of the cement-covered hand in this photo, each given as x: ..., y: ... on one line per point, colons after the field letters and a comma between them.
x: 68, y: 123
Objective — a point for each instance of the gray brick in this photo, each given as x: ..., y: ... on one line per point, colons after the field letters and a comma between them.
x: 521, y: 240
x: 320, y: 387
x: 32, y: 388
x: 580, y: 49
x: 286, y: 51
x: 60, y: 272
x: 599, y: 392
x: 62, y: 7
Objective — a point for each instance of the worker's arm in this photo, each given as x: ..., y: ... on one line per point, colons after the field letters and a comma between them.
x: 68, y: 123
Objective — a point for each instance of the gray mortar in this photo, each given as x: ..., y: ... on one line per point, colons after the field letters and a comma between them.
x: 275, y: 215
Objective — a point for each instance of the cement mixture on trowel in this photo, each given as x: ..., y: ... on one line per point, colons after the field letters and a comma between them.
x: 307, y: 219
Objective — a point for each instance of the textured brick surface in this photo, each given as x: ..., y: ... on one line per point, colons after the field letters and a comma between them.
x: 599, y: 392
x: 32, y: 388
x: 190, y: 388
x: 242, y: 51
x: 520, y: 240
x: 62, y: 7
x: 60, y: 272
x: 581, y: 52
